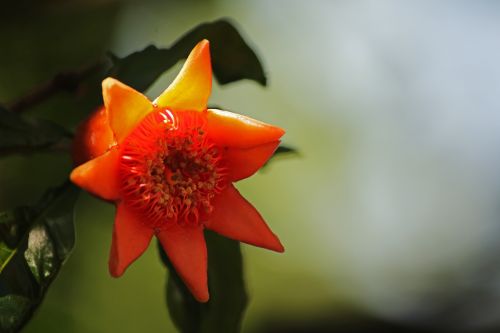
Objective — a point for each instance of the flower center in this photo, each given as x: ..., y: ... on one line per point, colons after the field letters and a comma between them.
x: 170, y: 171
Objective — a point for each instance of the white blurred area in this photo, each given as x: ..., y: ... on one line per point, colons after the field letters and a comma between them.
x: 394, y: 105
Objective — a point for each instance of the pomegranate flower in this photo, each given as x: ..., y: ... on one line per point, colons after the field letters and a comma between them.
x: 169, y: 165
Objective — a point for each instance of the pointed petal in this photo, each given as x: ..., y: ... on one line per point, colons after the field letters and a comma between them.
x: 192, y: 86
x: 236, y: 218
x: 130, y: 239
x: 185, y: 247
x: 100, y: 175
x: 244, y: 162
x: 235, y: 130
x: 126, y: 107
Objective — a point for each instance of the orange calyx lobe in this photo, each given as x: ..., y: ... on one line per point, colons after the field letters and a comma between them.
x: 170, y: 171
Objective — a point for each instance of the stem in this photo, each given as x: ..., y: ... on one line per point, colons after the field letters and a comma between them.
x: 64, y: 81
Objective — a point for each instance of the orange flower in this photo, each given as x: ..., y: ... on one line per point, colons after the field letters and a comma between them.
x: 169, y: 165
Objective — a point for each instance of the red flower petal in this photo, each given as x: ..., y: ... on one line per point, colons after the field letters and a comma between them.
x: 192, y: 86
x: 130, y: 239
x: 244, y: 162
x: 185, y: 247
x: 126, y: 107
x: 236, y: 218
x: 100, y: 175
x: 234, y: 130
x: 93, y: 137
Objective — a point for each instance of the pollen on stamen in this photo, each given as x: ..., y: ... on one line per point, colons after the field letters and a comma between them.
x: 170, y: 171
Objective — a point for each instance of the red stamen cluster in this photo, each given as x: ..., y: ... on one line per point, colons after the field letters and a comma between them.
x: 170, y: 170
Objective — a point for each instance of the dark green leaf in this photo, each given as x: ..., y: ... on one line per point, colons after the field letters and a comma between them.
x: 283, y: 151
x: 23, y: 135
x: 34, y: 243
x: 228, y: 298
x: 232, y: 58
x: 12, y: 307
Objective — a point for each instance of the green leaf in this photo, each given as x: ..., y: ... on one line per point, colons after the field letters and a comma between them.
x: 12, y: 307
x: 34, y: 243
x: 22, y: 135
x: 232, y: 57
x: 283, y: 151
x: 228, y: 298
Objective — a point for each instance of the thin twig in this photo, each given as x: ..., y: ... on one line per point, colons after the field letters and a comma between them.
x: 65, y: 81
x: 63, y: 146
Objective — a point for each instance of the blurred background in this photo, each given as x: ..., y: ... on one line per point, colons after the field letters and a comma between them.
x: 390, y: 216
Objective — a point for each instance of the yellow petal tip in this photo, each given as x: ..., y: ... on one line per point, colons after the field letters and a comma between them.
x: 109, y: 82
x: 191, y: 88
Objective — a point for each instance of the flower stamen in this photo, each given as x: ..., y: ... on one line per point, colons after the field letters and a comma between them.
x: 170, y: 171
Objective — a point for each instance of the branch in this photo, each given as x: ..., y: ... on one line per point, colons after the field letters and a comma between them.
x: 65, y: 81
x: 63, y: 146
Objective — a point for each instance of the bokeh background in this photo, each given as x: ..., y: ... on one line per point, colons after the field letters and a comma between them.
x: 390, y: 215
